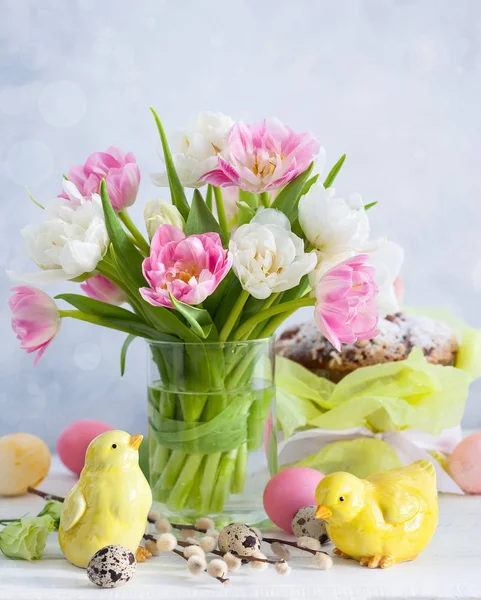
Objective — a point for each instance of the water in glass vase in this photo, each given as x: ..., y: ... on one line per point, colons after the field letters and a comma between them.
x: 211, y: 439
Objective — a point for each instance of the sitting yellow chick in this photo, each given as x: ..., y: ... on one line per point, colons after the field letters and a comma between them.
x: 110, y: 502
x: 386, y: 518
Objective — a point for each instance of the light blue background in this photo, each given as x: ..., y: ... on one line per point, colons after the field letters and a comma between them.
x: 395, y: 84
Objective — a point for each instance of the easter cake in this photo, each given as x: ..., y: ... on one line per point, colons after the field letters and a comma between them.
x: 398, y: 334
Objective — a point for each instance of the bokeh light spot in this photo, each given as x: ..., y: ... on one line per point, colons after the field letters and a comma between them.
x: 62, y: 104
x: 29, y: 162
x: 87, y: 356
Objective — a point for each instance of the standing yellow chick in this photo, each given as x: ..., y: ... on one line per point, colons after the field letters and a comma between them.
x: 386, y: 518
x: 110, y: 502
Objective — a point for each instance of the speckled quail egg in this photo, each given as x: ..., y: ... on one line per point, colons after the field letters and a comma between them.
x: 239, y: 538
x: 304, y: 523
x: 112, y: 566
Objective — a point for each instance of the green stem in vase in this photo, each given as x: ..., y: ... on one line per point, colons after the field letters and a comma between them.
x: 240, y: 469
x: 222, y: 485
x: 207, y: 482
x: 184, y: 483
x: 172, y: 469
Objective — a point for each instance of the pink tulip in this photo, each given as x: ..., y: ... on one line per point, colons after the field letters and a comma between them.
x: 121, y: 174
x: 100, y: 288
x: 262, y: 157
x: 35, y: 319
x: 346, y: 309
x: 190, y: 268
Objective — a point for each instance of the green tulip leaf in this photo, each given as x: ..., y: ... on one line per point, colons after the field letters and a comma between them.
x: 198, y: 318
x: 178, y: 196
x: 201, y: 219
x: 123, y: 352
x: 334, y: 171
x: 287, y: 200
x: 26, y: 538
x: 96, y: 307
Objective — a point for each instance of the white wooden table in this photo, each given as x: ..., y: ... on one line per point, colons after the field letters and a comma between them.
x: 449, y: 568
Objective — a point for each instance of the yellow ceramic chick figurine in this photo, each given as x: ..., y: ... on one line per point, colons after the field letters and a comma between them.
x: 386, y: 518
x: 110, y: 502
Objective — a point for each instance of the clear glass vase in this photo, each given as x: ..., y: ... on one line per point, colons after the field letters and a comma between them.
x: 212, y: 440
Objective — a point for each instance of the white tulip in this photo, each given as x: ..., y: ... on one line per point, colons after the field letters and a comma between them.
x: 195, y: 151
x: 267, y: 256
x: 386, y: 257
x: 71, y: 240
x: 333, y: 225
x: 158, y: 212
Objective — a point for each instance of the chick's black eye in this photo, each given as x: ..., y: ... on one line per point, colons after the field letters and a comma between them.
x: 115, y: 446
x: 341, y: 499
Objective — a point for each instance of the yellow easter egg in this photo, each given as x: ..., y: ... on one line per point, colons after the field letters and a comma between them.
x: 24, y: 461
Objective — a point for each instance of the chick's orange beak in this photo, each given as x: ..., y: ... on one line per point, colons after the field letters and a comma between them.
x: 323, y: 512
x: 136, y: 440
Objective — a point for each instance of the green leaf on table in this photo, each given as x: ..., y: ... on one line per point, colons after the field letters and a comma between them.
x: 26, y: 538
x: 129, y: 257
x: 198, y: 318
x: 370, y: 205
x: 177, y: 191
x: 287, y: 199
x: 245, y: 213
x: 334, y: 171
x: 52, y: 508
x: 123, y: 352
x: 201, y: 219
x: 98, y: 308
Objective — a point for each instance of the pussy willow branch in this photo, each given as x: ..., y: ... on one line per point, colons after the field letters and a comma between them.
x: 269, y: 561
x: 182, y: 544
x: 147, y: 536
x: 45, y: 495
x: 180, y: 526
x: 293, y: 545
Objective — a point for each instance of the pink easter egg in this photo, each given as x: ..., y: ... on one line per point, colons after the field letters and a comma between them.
x: 72, y: 443
x: 464, y: 464
x: 287, y: 492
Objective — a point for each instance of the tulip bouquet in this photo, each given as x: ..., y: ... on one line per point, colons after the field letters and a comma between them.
x: 213, y: 273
